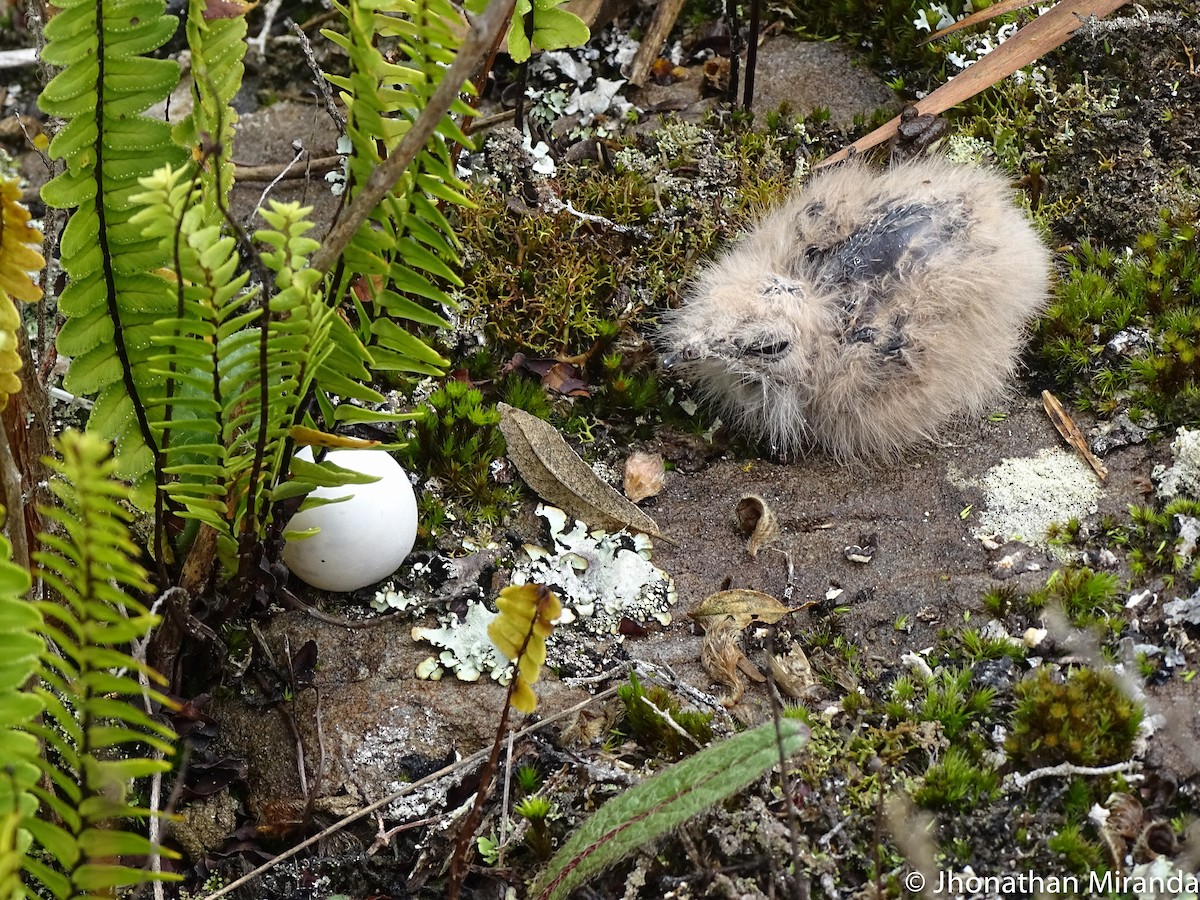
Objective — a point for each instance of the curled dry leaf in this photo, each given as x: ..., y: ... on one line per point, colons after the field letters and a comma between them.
x: 744, y: 607
x: 644, y: 475
x: 561, y: 478
x: 755, y: 518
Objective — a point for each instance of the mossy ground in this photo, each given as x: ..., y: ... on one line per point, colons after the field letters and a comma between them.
x: 1103, y: 155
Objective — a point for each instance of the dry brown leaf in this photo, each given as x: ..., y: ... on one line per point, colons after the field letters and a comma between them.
x: 755, y: 518
x: 1031, y: 43
x: 745, y: 607
x: 1071, y: 434
x: 793, y: 674
x: 560, y: 477
x: 720, y: 656
x: 645, y: 475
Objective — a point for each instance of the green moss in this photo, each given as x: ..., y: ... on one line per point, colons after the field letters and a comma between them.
x: 455, y: 440
x: 956, y: 782
x: 1153, y: 290
x: 529, y: 779
x: 1086, y: 720
x: 1080, y: 855
x: 1154, y: 542
x: 951, y: 701
x: 647, y: 727
x: 1088, y: 598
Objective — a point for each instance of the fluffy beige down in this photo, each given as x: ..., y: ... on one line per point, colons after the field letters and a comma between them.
x: 867, y: 311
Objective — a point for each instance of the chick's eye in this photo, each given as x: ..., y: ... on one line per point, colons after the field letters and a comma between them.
x: 765, y: 348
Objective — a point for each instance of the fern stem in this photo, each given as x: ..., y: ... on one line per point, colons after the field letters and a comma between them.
x: 459, y: 860
x: 250, y: 523
x: 474, y: 50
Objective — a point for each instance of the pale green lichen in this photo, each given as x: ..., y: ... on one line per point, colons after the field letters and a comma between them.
x: 601, y: 577
x: 467, y: 651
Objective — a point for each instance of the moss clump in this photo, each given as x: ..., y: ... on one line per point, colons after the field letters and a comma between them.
x: 1085, y: 720
x: 1124, y: 331
x: 956, y: 782
x: 1088, y: 598
x: 455, y: 440
x: 647, y: 727
x: 552, y: 284
x: 1154, y: 541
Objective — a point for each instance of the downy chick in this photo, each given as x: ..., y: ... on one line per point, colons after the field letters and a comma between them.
x: 867, y: 311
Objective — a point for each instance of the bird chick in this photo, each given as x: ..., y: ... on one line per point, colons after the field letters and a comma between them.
x: 867, y: 311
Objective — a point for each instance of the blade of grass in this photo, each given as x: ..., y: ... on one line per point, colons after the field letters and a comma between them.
x: 644, y: 813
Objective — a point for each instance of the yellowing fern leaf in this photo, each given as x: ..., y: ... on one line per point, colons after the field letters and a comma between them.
x: 19, y: 255
x: 527, y: 614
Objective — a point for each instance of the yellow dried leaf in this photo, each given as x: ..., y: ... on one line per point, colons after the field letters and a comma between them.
x: 311, y: 437
x: 745, y: 607
x: 19, y: 256
x: 523, y: 698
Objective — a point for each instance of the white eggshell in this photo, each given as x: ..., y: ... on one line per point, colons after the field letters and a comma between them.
x: 363, y: 539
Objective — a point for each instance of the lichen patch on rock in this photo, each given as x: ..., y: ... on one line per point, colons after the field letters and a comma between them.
x: 1026, y: 495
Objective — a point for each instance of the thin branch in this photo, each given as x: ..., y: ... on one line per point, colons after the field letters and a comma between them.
x: 1020, y: 781
x: 475, y: 48
x: 752, y: 53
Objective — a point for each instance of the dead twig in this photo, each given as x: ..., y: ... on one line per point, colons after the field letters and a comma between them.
x: 1029, y: 44
x: 1071, y: 434
x: 657, y: 32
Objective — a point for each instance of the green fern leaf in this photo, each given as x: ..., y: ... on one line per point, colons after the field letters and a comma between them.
x: 90, y: 700
x: 407, y: 243
x: 105, y: 85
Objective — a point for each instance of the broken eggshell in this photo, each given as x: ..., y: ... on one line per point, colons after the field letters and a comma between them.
x: 363, y: 538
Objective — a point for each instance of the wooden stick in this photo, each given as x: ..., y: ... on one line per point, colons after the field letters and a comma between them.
x: 660, y: 27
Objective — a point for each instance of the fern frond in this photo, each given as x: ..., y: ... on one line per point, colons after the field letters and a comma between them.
x: 19, y: 628
x: 89, y: 687
x: 407, y: 249
x: 115, y: 295
x: 19, y: 255
x: 216, y: 35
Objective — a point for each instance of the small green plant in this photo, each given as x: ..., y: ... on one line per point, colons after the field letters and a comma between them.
x: 976, y: 646
x: 1080, y: 855
x: 646, y: 725
x: 1086, y: 720
x: 1087, y: 597
x: 536, y: 811
x: 955, y: 782
x: 529, y: 779
x: 1153, y: 540
x: 456, y: 437
x: 999, y: 601
x: 639, y: 816
x: 950, y: 700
